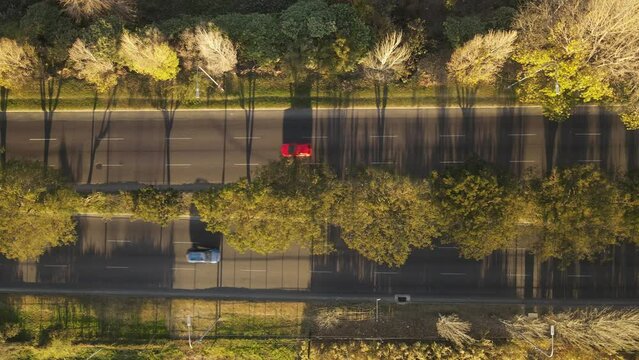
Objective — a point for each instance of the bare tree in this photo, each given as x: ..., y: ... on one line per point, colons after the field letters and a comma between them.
x: 388, y: 59
x: 386, y: 62
x: 478, y: 62
x: 453, y: 329
x: 216, y: 50
x: 17, y: 65
x: 88, y: 9
x: 480, y: 59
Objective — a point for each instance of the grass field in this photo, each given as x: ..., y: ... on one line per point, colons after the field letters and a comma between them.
x: 271, y: 92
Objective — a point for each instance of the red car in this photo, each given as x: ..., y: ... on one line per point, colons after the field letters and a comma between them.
x: 296, y: 150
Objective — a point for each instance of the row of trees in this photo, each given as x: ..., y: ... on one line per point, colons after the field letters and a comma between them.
x: 37, y: 208
x: 564, y: 52
x: 573, y: 214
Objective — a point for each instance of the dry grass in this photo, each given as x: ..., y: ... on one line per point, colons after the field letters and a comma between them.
x: 87, y: 9
x: 606, y: 330
x: 454, y: 329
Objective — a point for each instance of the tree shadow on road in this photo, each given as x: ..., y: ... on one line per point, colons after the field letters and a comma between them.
x: 101, y: 132
x: 247, y: 103
x: 49, y: 100
x: 4, y: 103
x: 168, y: 98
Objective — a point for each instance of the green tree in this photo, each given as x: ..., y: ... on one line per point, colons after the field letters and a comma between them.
x: 581, y: 214
x: 253, y: 218
x: 320, y: 37
x: 149, y: 54
x: 258, y: 39
x: 479, y: 207
x: 559, y: 79
x: 588, y: 47
x: 384, y: 217
x: 459, y: 30
x: 158, y: 206
x: 36, y: 210
x: 93, y: 56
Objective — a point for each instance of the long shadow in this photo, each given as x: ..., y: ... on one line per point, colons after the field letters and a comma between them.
x: 381, y: 100
x: 49, y: 101
x: 168, y: 102
x: 466, y: 98
x: 4, y: 103
x: 331, y: 131
x: 247, y: 102
x: 98, y: 134
x: 66, y: 166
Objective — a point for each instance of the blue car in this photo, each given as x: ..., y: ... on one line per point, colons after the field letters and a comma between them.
x: 209, y: 256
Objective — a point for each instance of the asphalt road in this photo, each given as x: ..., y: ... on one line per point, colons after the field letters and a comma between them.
x: 221, y: 146
x: 136, y: 256
x: 201, y: 147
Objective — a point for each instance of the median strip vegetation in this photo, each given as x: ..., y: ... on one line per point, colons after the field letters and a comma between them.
x: 573, y: 214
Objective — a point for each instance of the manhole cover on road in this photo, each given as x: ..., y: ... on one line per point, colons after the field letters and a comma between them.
x: 98, y: 166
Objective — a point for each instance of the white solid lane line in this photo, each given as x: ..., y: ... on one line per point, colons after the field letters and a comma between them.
x: 587, y: 134
x: 47, y: 265
x: 111, y: 139
x: 383, y: 136
x: 246, y: 137
x: 316, y: 137
x: 117, y: 267
x: 382, y: 162
x: 178, y: 138
x: 386, y: 272
x: 513, y: 134
x: 253, y: 270
x: 523, y: 161
x: 251, y: 164
x: 43, y: 139
x: 119, y: 241
x: 451, y: 135
x: 185, y: 269
x: 179, y: 165
x: 452, y: 274
x: 111, y: 165
x: 517, y: 275
x: 452, y: 162
x: 579, y: 276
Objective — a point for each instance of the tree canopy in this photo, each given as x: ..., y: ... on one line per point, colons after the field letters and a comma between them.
x: 384, y: 217
x: 581, y: 214
x: 36, y: 210
x: 17, y: 63
x: 479, y: 206
x: 480, y: 60
x: 588, y: 47
x: 149, y: 54
x: 254, y: 218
